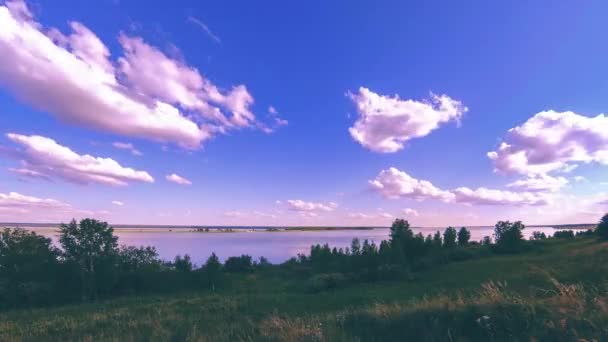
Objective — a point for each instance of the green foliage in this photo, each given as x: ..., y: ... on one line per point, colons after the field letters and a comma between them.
x: 239, y: 264
x: 602, y: 228
x: 449, y: 237
x: 183, y: 264
x: 27, y: 263
x: 326, y: 281
x: 508, y: 236
x: 564, y: 234
x: 464, y: 235
x: 91, y: 247
x: 538, y: 235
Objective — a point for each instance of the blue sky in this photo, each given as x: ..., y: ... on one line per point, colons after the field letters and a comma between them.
x: 539, y: 68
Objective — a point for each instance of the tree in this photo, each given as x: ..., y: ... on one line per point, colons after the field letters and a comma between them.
x: 91, y: 245
x: 464, y: 235
x: 449, y: 237
x: 602, y: 228
x: 437, y: 240
x: 28, y: 263
x: 213, y: 269
x: 400, y: 231
x: 508, y: 236
x: 183, y: 264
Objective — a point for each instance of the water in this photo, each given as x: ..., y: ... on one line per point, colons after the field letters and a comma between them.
x: 277, y: 247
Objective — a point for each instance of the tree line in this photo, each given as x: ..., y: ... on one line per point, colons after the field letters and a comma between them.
x: 90, y: 264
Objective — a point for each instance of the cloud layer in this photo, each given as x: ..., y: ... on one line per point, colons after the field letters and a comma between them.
x: 552, y: 141
x: 393, y: 183
x: 143, y: 93
x: 43, y: 157
x: 310, y: 208
x: 385, y: 123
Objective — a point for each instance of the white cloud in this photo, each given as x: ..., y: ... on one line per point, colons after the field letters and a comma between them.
x: 142, y: 94
x: 579, y: 179
x: 540, y: 183
x: 385, y: 123
x: 127, y: 146
x: 553, y: 141
x: 118, y: 203
x: 17, y: 200
x: 272, y: 110
x: 43, y: 156
x: 303, y: 206
x: 178, y: 179
x: 18, y: 207
x: 410, y: 212
x: 486, y: 196
x: 393, y: 183
x: 205, y: 28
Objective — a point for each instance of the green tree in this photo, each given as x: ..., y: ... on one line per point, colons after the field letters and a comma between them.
x: 508, y: 236
x: 464, y: 235
x: 449, y: 237
x: 437, y: 240
x: 602, y: 228
x: 213, y: 270
x: 28, y: 263
x: 183, y: 263
x: 92, y: 246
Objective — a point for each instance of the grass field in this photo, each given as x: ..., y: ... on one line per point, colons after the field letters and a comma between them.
x: 556, y: 292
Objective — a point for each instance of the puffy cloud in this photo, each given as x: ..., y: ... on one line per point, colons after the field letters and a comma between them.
x: 303, y: 206
x: 178, y: 179
x: 393, y: 183
x: 540, y: 183
x: 143, y: 94
x: 385, y: 123
x: 127, y: 146
x: 553, y: 141
x: 44, y: 157
x: 118, y: 203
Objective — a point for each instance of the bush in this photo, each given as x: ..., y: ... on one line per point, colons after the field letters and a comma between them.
x: 564, y: 234
x: 239, y: 264
x: 326, y: 281
x: 538, y: 235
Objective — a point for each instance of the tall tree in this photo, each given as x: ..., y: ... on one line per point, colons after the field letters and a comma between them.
x: 464, y: 235
x: 449, y: 237
x: 89, y: 244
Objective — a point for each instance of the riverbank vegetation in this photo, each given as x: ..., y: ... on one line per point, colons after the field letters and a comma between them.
x: 441, y: 287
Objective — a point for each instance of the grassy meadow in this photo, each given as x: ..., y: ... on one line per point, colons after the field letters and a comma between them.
x: 556, y: 292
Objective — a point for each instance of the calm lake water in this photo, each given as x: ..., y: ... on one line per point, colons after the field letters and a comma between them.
x: 276, y: 246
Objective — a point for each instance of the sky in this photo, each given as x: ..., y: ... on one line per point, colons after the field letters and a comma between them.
x: 303, y: 113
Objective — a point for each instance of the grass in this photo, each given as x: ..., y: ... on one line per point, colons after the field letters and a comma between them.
x: 557, y: 293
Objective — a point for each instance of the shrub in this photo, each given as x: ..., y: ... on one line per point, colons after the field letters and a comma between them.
x: 239, y: 264
x: 538, y: 235
x: 564, y: 234
x: 326, y: 281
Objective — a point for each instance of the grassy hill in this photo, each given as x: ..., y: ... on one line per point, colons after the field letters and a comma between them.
x: 557, y: 292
